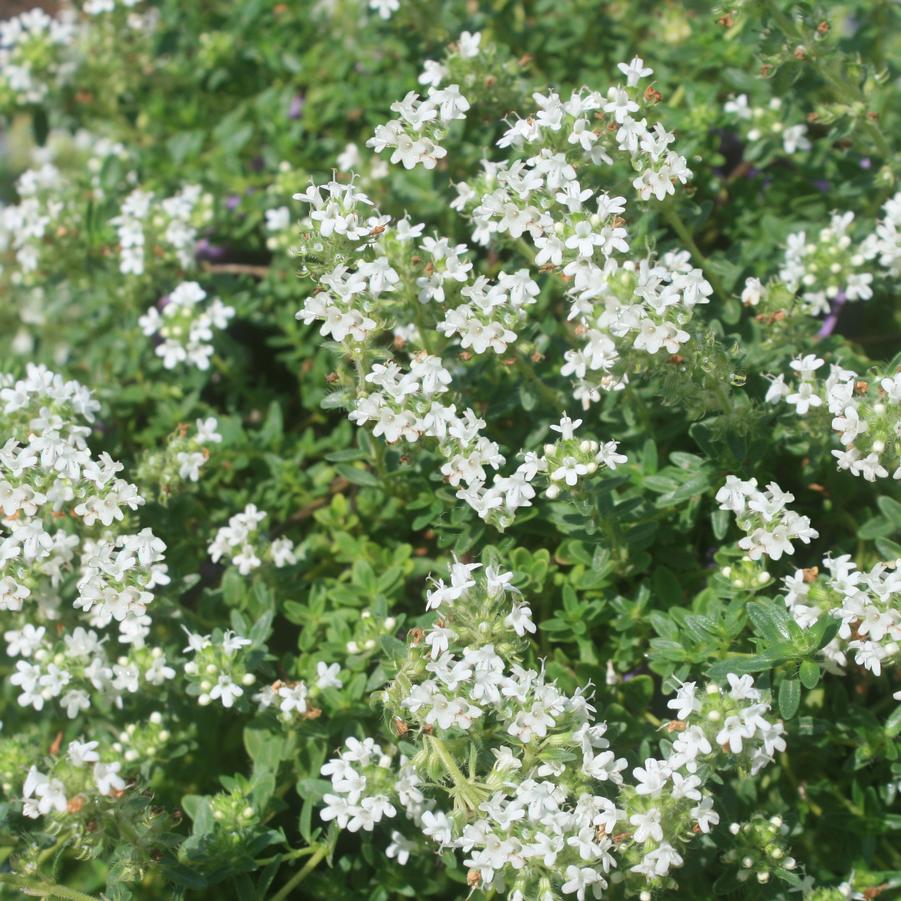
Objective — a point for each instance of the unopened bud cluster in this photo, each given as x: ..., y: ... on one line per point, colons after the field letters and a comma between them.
x: 760, y: 849
x: 181, y: 460
x: 760, y: 125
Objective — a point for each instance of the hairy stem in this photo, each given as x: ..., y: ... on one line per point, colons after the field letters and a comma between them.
x: 301, y: 874
x: 39, y: 889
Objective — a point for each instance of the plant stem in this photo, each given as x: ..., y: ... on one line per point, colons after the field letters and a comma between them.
x: 301, y: 874
x: 681, y: 229
x: 545, y: 392
x: 284, y: 858
x: 424, y: 333
x: 49, y: 852
x: 260, y: 272
x: 465, y: 790
x: 43, y: 889
x: 448, y: 761
x: 722, y: 396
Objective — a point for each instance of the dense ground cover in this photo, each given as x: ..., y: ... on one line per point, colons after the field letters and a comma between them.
x: 450, y: 450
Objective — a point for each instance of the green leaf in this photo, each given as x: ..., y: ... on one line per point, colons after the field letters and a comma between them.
x: 264, y: 748
x: 666, y: 586
x: 789, y: 697
x: 893, y: 723
x: 809, y: 673
x: 823, y: 631
x: 891, y: 510
x: 739, y: 665
x: 719, y: 519
x: 355, y: 476
x: 770, y: 620
x: 234, y: 588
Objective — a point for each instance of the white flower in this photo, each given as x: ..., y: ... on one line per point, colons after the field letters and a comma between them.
x: 107, y: 779
x: 469, y: 44
x: 635, y: 70
x: 226, y: 690
x: 400, y: 848
x: 82, y: 753
x: 327, y: 675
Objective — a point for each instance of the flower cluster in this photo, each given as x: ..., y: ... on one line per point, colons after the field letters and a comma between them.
x: 826, y: 268
x: 414, y: 136
x: 764, y: 516
x: 243, y: 544
x: 48, y: 478
x: 569, y: 458
x: 102, y: 7
x: 181, y: 459
x: 867, y: 603
x: 184, y: 329
x: 219, y: 669
x: 80, y: 779
x: 25, y: 226
x: 375, y: 274
x: 544, y: 196
x: 279, y: 233
x: 151, y: 229
x: 50, y: 207
x: 758, y: 124
x: 550, y: 810
x: 884, y: 244
x: 47, y: 469
x: 384, y: 8
x: 406, y: 407
x: 864, y: 413
x: 32, y: 57
x: 76, y: 670
x: 293, y: 700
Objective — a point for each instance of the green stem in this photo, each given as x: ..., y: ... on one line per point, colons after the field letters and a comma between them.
x: 425, y: 334
x: 465, y: 790
x: 284, y: 858
x: 681, y: 229
x: 448, y: 762
x: 43, y: 889
x: 301, y: 874
x: 546, y: 393
x: 722, y: 396
x: 785, y: 763
x: 49, y: 852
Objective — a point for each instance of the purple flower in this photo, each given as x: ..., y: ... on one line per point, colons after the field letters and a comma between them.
x: 829, y: 323
x: 205, y: 250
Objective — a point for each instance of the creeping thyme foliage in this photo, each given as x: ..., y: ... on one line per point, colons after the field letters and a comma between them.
x: 450, y: 450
